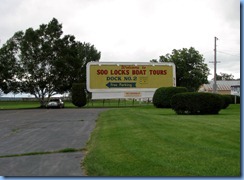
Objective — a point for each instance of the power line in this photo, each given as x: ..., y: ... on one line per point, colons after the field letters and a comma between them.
x: 228, y: 53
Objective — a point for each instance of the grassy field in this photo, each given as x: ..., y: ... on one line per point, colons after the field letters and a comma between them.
x: 145, y: 141
x: 19, y: 104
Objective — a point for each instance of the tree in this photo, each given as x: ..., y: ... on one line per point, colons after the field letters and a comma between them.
x: 154, y: 60
x: 191, y: 72
x: 8, y: 67
x: 44, y: 61
x: 85, y: 53
x: 224, y: 76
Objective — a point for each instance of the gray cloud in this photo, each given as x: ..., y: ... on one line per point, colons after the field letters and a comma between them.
x: 136, y: 30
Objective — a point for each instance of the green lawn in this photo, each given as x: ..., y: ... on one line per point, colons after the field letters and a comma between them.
x: 145, y: 141
x: 19, y: 104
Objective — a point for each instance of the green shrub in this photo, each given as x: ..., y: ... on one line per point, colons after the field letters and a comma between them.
x: 197, y: 103
x: 163, y: 95
x: 233, y: 99
x: 78, y: 94
x: 227, y: 100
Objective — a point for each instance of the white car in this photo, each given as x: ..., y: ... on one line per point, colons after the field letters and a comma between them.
x: 55, y: 103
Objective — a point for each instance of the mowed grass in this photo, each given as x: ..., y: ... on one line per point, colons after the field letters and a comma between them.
x: 19, y: 105
x: 146, y: 141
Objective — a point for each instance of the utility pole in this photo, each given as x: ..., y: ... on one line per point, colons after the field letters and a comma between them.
x: 215, y: 66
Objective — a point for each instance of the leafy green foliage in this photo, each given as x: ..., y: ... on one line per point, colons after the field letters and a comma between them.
x: 224, y: 76
x: 197, y: 103
x: 234, y: 99
x: 8, y: 67
x: 226, y: 101
x: 162, y: 96
x: 44, y: 62
x: 78, y: 94
x: 191, y: 72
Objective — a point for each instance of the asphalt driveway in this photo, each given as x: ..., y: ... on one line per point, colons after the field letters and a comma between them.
x: 42, y: 130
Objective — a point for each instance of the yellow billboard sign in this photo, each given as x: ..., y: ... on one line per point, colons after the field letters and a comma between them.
x: 103, y: 76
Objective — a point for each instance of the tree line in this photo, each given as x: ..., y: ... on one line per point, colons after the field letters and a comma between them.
x: 44, y: 62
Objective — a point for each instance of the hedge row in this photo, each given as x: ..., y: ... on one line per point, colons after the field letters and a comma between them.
x: 184, y: 102
x: 162, y: 96
x: 234, y: 99
x: 197, y: 103
x: 227, y: 100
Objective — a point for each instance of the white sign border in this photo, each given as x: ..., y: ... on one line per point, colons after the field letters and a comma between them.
x: 125, y: 63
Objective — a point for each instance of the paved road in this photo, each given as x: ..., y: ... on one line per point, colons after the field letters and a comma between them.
x: 40, y: 130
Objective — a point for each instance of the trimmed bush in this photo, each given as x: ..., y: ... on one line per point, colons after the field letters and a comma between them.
x: 162, y: 96
x: 226, y: 101
x: 78, y: 94
x: 197, y: 103
x: 233, y: 99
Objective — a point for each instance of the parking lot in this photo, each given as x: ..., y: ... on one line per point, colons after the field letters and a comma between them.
x: 44, y: 130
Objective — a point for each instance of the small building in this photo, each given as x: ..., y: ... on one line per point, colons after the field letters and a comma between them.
x: 223, y: 87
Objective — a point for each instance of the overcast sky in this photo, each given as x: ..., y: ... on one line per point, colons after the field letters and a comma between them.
x: 137, y: 30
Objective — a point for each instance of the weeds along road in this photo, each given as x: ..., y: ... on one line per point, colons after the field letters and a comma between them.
x: 44, y: 130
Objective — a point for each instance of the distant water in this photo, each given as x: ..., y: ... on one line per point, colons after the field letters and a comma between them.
x: 19, y: 95
x: 25, y: 95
